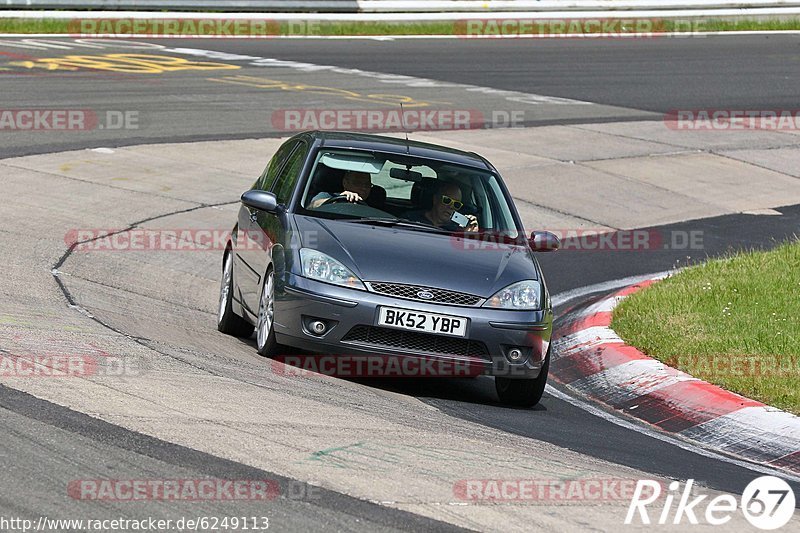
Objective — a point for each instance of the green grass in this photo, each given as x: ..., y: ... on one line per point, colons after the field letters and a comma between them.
x: 32, y: 26
x: 733, y: 322
x: 322, y: 28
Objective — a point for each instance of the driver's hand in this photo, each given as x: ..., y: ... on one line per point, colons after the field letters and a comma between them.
x: 472, y: 225
x: 352, y: 196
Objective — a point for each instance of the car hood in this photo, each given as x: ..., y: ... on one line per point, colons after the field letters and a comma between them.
x: 401, y: 255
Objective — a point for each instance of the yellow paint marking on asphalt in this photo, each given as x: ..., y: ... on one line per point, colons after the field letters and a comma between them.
x: 46, y: 66
x: 70, y: 165
x: 12, y: 320
x: 124, y: 63
x: 375, y: 98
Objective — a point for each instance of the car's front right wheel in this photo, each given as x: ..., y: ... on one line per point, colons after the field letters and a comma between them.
x: 523, y: 392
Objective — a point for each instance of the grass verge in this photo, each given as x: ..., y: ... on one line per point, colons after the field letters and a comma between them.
x: 332, y: 28
x: 733, y: 322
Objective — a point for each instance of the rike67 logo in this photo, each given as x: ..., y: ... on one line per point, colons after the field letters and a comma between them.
x: 767, y: 503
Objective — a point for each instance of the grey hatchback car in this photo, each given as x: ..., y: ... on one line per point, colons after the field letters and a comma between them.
x: 355, y: 245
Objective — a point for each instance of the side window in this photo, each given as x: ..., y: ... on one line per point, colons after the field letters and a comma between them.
x: 267, y: 178
x: 287, y: 180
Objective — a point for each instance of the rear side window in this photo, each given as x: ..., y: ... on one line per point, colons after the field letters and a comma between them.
x: 267, y: 179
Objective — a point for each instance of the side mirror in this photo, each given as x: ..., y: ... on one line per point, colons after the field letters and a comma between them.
x: 262, y: 200
x: 544, y: 241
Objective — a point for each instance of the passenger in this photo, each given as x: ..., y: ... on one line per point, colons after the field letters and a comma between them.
x: 356, y: 185
x: 446, y: 201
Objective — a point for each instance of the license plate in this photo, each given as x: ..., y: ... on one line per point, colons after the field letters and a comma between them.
x: 419, y: 321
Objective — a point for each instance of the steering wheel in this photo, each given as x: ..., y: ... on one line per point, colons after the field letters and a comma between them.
x: 341, y: 198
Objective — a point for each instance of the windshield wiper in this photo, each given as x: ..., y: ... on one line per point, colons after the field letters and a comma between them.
x: 391, y: 222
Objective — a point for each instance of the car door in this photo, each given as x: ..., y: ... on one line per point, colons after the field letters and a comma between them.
x: 276, y: 225
x: 270, y: 228
x: 252, y: 244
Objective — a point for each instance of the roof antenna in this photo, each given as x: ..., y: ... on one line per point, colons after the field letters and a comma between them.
x: 405, y: 129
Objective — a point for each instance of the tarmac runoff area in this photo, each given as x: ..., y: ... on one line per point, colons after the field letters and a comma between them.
x: 188, y: 384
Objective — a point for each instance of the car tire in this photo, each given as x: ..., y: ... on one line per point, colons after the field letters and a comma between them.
x: 266, y: 344
x: 227, y: 321
x: 523, y: 392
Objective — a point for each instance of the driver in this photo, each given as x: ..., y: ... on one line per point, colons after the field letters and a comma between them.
x: 446, y: 201
x: 357, y: 186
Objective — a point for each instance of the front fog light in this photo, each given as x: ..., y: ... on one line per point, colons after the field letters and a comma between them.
x: 515, y: 355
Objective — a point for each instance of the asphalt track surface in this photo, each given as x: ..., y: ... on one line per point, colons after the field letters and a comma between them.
x: 48, y: 442
x: 644, y: 77
x: 629, y: 79
x: 651, y: 74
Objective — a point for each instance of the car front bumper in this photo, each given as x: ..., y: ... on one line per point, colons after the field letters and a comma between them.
x: 351, y: 317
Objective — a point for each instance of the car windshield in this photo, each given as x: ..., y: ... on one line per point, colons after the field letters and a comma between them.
x: 406, y: 191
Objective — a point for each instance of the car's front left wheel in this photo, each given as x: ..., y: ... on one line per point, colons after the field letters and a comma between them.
x: 265, y: 329
x: 523, y: 392
x: 228, y: 321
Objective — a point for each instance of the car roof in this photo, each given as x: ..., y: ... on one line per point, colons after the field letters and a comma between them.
x: 379, y: 143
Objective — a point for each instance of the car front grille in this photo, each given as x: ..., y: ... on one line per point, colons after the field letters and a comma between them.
x: 416, y: 342
x: 410, y: 292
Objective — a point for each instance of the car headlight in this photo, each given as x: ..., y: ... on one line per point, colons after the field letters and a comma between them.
x: 523, y: 295
x: 323, y: 267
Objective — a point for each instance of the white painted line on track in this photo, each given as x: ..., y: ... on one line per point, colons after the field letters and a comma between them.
x: 594, y: 336
x: 567, y: 296
x: 591, y: 409
x: 633, y: 379
x: 753, y: 427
